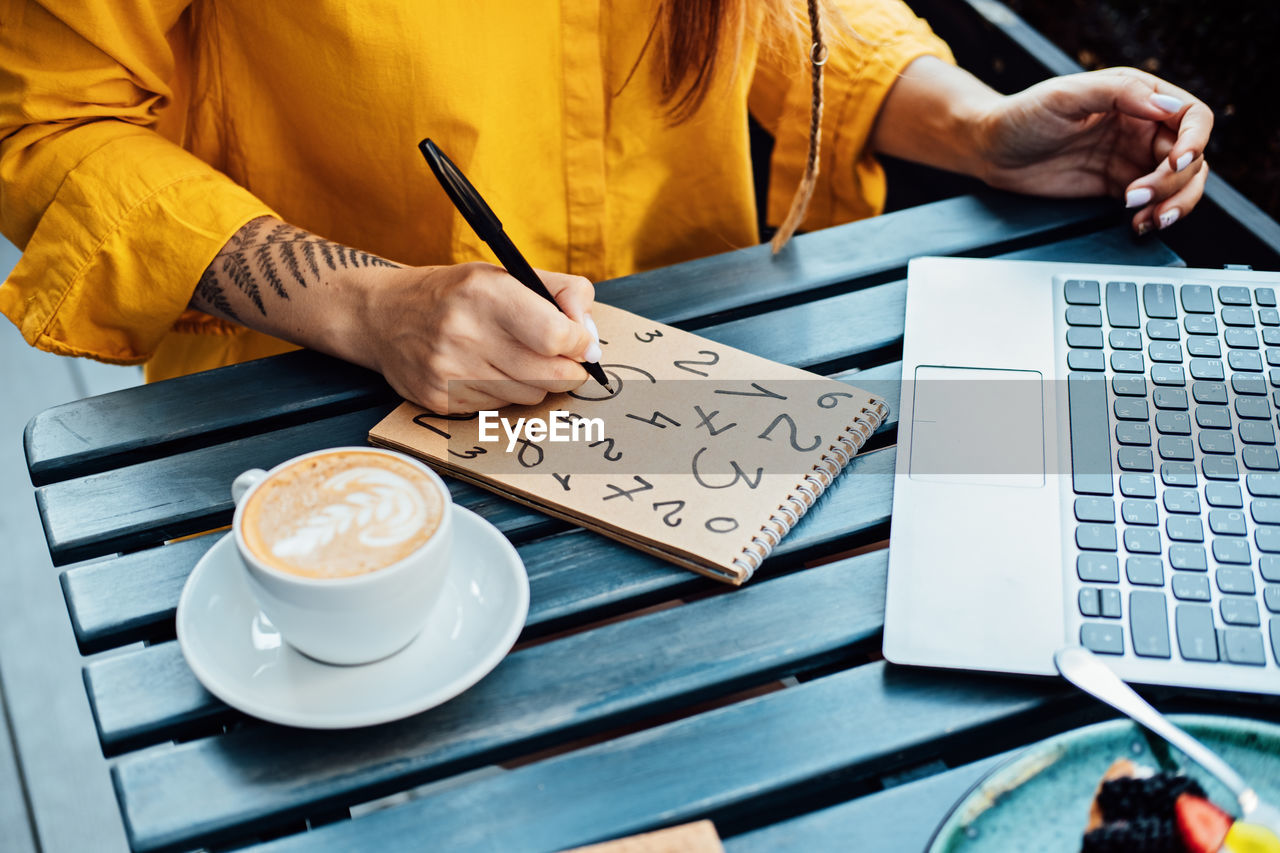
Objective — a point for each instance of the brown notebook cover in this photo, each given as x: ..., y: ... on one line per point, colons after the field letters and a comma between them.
x: 703, y: 455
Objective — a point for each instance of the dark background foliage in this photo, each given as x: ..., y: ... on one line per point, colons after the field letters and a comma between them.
x: 1226, y: 52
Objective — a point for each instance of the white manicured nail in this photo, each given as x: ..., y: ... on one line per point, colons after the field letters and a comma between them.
x: 1184, y: 161
x: 591, y: 327
x: 1169, y: 217
x: 1168, y: 103
x: 593, y: 354
x: 1138, y: 197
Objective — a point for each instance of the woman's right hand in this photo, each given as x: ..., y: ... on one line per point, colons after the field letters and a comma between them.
x: 469, y: 337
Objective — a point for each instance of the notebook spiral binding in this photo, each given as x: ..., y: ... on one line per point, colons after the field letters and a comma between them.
x: 811, y: 487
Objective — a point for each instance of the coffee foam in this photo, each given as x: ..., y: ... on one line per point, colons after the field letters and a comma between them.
x: 341, y: 514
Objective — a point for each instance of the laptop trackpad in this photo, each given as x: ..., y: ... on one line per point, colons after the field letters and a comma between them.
x: 975, y: 426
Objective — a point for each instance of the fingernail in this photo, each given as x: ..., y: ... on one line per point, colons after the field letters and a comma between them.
x: 593, y: 354
x: 1138, y: 197
x: 591, y: 327
x: 1144, y: 227
x: 1168, y: 103
x: 1184, y: 161
x: 1169, y: 217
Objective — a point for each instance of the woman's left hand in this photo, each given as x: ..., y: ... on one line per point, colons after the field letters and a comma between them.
x: 1113, y: 132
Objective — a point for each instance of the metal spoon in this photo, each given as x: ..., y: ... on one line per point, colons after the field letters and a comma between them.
x: 1086, y: 671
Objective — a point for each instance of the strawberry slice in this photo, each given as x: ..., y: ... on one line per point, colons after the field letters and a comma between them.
x: 1202, y: 825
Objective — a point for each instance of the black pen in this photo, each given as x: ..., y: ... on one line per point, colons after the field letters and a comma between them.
x: 489, y: 228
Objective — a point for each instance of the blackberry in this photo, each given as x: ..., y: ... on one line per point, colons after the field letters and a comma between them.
x: 1141, y: 835
x: 1129, y: 797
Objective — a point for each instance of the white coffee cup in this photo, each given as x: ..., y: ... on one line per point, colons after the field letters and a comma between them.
x: 352, y: 619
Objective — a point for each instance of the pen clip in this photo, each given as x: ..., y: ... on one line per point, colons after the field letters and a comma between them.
x: 463, y: 195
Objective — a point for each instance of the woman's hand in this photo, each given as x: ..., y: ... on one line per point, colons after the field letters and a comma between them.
x: 1119, y: 131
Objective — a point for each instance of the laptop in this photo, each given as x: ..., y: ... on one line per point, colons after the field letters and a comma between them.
x: 1087, y: 454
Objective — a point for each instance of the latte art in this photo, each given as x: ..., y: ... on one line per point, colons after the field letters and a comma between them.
x: 342, y: 514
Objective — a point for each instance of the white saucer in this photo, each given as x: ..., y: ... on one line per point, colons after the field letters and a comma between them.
x: 239, y: 656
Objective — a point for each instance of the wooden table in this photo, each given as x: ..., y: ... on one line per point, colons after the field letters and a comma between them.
x: 639, y: 695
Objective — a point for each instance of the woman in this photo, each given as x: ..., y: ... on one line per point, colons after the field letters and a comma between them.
x: 169, y: 166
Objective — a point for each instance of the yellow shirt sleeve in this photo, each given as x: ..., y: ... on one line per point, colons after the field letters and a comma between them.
x: 869, y: 43
x: 117, y: 222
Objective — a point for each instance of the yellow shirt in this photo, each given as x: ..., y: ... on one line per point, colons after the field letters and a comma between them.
x: 137, y: 136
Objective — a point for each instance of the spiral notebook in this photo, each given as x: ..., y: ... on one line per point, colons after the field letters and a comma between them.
x: 701, y: 454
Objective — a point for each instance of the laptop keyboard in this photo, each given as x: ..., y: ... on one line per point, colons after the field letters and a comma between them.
x: 1174, y: 392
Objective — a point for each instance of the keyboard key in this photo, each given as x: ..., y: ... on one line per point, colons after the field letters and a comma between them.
x: 1129, y: 386
x: 1131, y: 432
x: 1081, y: 292
x: 1098, y: 568
x: 1163, y: 330
x: 1234, y: 316
x: 1269, y: 317
x: 1102, y: 638
x: 1197, y: 298
x: 1216, y: 441
x: 1233, y: 551
x: 1122, y: 304
x: 1205, y: 347
x: 1096, y: 509
x: 1227, y: 522
x: 1235, y: 610
x: 1260, y: 458
x: 1207, y: 368
x: 1083, y: 315
x: 1256, y: 432
x: 1178, y: 473
x: 1127, y: 362
x: 1173, y: 423
x: 1139, y: 512
x: 1168, y: 374
x: 1273, y: 375
x: 1179, y: 449
x: 1234, y: 296
x: 1167, y: 351
x: 1125, y: 339
x: 1213, y: 417
x: 1149, y: 624
x: 1188, y: 587
x: 1234, y: 580
x: 1110, y: 601
x: 1267, y: 539
x: 1138, y: 540
x: 1271, y: 337
x: 1263, y: 485
x: 1271, y: 598
x: 1182, y: 501
x: 1200, y: 324
x: 1243, y: 359
x: 1135, y: 459
x: 1158, y: 300
x: 1082, y: 336
x: 1209, y: 393
x: 1275, y: 638
x: 1253, y: 408
x: 1219, y: 468
x: 1144, y: 571
x: 1184, y: 528
x: 1238, y: 338
x: 1270, y: 569
x: 1265, y: 296
x: 1088, y: 600
x: 1244, y: 646
x: 1194, y: 626
x: 1273, y: 356
x: 1244, y: 383
x: 1128, y: 409
x: 1086, y: 359
x: 1224, y: 495
x: 1190, y: 558
x: 1265, y: 511
x: 1096, y: 537
x: 1090, y: 439
x: 1170, y: 398
x: 1137, y: 486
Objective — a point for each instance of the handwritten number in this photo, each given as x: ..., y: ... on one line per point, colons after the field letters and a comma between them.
x: 619, y: 492
x: 421, y: 420
x: 652, y: 420
x: 706, y: 421
x: 683, y: 363
x: 760, y: 391
x: 475, y: 451
x: 669, y: 518
x: 562, y: 479
x: 722, y: 524
x: 817, y: 439
x: 525, y: 446
x: 608, y: 448
x: 829, y: 401
x: 649, y: 336
x: 738, y: 474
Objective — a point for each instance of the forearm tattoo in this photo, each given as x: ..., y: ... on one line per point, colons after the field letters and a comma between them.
x: 264, y: 260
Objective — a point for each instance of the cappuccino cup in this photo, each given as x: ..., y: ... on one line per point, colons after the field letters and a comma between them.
x: 345, y: 550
